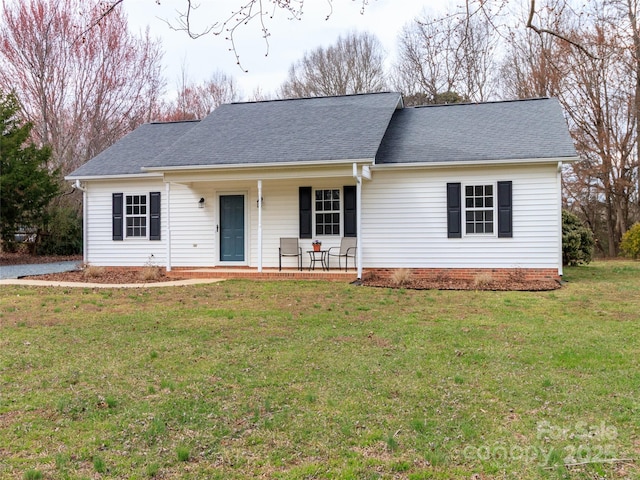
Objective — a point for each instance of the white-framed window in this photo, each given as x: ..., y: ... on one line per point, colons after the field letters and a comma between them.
x: 327, y: 211
x: 136, y: 216
x: 479, y: 206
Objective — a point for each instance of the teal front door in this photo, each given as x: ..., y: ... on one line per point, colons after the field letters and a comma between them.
x: 232, y: 228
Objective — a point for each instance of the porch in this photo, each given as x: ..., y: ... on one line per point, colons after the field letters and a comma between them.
x: 266, y: 274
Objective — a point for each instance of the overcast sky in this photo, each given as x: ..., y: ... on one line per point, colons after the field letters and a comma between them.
x: 289, y: 39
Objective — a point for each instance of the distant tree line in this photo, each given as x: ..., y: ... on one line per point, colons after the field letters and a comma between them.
x: 82, y: 84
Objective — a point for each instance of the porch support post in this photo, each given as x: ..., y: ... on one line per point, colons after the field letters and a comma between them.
x: 358, y: 179
x: 260, y: 226
x: 85, y: 225
x: 167, y: 188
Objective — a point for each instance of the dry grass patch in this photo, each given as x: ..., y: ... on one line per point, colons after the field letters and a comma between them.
x: 92, y: 272
x: 151, y: 273
x: 482, y: 280
x: 401, y: 277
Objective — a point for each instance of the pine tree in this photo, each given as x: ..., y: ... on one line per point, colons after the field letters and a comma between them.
x: 26, y: 185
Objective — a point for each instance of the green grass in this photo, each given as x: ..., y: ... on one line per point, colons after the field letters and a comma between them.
x: 301, y: 380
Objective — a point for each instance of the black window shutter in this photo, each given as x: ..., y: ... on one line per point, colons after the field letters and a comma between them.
x: 154, y: 213
x: 505, y: 210
x: 454, y: 210
x: 350, y: 211
x: 306, y: 229
x: 117, y: 217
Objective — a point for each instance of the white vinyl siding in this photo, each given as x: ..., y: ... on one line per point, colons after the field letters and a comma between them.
x: 102, y: 250
x: 413, y: 202
x: 404, y: 219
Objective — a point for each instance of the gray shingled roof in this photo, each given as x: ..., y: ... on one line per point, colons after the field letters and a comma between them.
x: 298, y: 130
x: 343, y: 128
x: 135, y: 150
x: 512, y: 130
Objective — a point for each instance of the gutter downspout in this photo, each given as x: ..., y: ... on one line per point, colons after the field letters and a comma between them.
x: 85, y: 241
x: 260, y: 226
x: 358, y: 180
x: 167, y: 188
x: 559, y: 181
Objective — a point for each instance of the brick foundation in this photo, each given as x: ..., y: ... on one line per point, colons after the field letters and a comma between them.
x: 471, y: 274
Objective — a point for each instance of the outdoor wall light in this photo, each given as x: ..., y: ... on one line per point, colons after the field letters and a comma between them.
x: 259, y: 201
x: 201, y: 203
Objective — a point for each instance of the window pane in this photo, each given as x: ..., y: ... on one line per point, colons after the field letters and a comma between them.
x: 479, y: 204
x: 327, y: 212
x: 136, y: 215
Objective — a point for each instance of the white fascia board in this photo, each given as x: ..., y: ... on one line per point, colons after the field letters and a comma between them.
x: 246, y: 166
x: 87, y: 178
x: 475, y: 163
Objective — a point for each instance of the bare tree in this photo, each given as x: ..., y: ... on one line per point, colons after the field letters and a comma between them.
x: 448, y: 57
x: 597, y: 86
x: 198, y: 101
x: 354, y: 64
x: 81, y: 94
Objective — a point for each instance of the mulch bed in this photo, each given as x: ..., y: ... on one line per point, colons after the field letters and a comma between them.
x: 127, y: 276
x: 423, y: 284
x: 107, y: 276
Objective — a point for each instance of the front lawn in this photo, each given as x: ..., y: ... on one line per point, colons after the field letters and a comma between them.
x: 246, y: 379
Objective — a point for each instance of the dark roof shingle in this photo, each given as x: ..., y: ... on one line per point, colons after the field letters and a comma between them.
x: 135, y: 150
x: 511, y: 130
x: 352, y: 127
x: 280, y: 131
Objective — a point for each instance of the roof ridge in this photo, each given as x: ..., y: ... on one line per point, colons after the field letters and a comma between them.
x: 490, y: 102
x: 346, y: 95
x: 164, y: 122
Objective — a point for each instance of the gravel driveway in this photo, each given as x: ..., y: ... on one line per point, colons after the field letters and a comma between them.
x: 17, y: 271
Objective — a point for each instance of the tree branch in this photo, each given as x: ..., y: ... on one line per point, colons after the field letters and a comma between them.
x: 553, y: 33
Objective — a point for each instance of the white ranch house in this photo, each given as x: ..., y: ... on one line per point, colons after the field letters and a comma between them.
x: 445, y: 189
